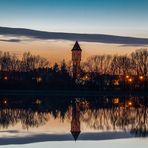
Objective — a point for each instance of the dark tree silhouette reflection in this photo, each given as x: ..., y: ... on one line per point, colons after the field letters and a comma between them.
x: 28, y: 118
x: 101, y: 114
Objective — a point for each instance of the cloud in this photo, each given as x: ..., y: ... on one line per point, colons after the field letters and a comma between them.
x: 34, y: 138
x: 99, y: 38
x: 11, y: 40
x: 134, y: 45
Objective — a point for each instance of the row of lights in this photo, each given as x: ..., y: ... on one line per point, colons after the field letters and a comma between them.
x: 38, y: 79
x: 130, y: 80
x: 116, y: 101
x: 38, y: 101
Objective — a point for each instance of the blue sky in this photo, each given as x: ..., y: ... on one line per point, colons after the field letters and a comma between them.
x: 118, y: 17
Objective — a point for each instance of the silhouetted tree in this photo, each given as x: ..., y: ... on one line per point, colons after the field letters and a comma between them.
x: 140, y: 61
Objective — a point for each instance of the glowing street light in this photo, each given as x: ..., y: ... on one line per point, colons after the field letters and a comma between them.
x: 130, y: 80
x: 5, y: 101
x: 141, y: 78
x: 127, y: 77
x: 116, y: 101
x: 130, y: 103
x: 5, y: 78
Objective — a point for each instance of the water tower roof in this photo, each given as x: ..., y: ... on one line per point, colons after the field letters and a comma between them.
x: 75, y: 135
x: 76, y: 47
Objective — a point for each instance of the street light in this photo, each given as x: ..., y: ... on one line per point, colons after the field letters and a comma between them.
x: 127, y: 77
x: 130, y: 80
x: 5, y: 78
x: 130, y: 103
x: 116, y: 101
x: 141, y: 78
x: 5, y: 101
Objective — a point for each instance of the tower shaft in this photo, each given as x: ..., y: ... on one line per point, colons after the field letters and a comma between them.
x: 76, y: 59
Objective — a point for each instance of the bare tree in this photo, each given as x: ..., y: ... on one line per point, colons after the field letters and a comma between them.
x: 99, y: 64
x: 121, y: 65
x: 140, y: 61
x: 30, y: 62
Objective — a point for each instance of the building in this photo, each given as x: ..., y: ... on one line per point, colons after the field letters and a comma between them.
x: 76, y: 59
x: 75, y: 123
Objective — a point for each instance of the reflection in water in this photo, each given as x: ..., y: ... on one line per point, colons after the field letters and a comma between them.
x: 99, y: 114
x: 75, y: 123
x: 28, y: 118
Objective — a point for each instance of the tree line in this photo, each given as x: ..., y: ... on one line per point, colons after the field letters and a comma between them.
x: 101, y: 72
x: 134, y: 64
x: 10, y: 62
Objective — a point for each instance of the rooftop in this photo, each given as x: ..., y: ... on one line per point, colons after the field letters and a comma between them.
x: 76, y: 47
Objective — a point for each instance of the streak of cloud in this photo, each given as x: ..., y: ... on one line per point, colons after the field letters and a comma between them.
x: 98, y: 38
x: 10, y: 40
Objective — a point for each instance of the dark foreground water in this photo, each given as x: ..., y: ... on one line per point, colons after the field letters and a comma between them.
x: 31, y: 120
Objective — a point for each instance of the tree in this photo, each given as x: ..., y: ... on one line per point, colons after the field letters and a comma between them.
x: 99, y: 64
x: 64, y: 68
x: 140, y: 61
x: 6, y: 61
x: 56, y: 68
x: 121, y: 65
x: 31, y: 62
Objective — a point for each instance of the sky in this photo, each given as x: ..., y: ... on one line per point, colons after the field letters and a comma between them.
x: 119, y: 17
x: 111, y: 17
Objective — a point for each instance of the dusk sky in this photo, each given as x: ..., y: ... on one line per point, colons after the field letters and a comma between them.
x: 114, y: 17
x: 121, y: 17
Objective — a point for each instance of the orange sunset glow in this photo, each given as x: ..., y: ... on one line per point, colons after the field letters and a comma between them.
x: 56, y: 51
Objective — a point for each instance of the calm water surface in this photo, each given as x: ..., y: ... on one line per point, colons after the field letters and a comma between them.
x: 40, y: 119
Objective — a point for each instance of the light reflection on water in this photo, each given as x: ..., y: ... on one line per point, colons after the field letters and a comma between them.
x: 83, y: 118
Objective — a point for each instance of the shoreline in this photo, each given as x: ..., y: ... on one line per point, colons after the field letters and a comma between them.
x: 72, y: 93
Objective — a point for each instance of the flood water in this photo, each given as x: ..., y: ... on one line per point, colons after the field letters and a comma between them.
x: 27, y: 120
